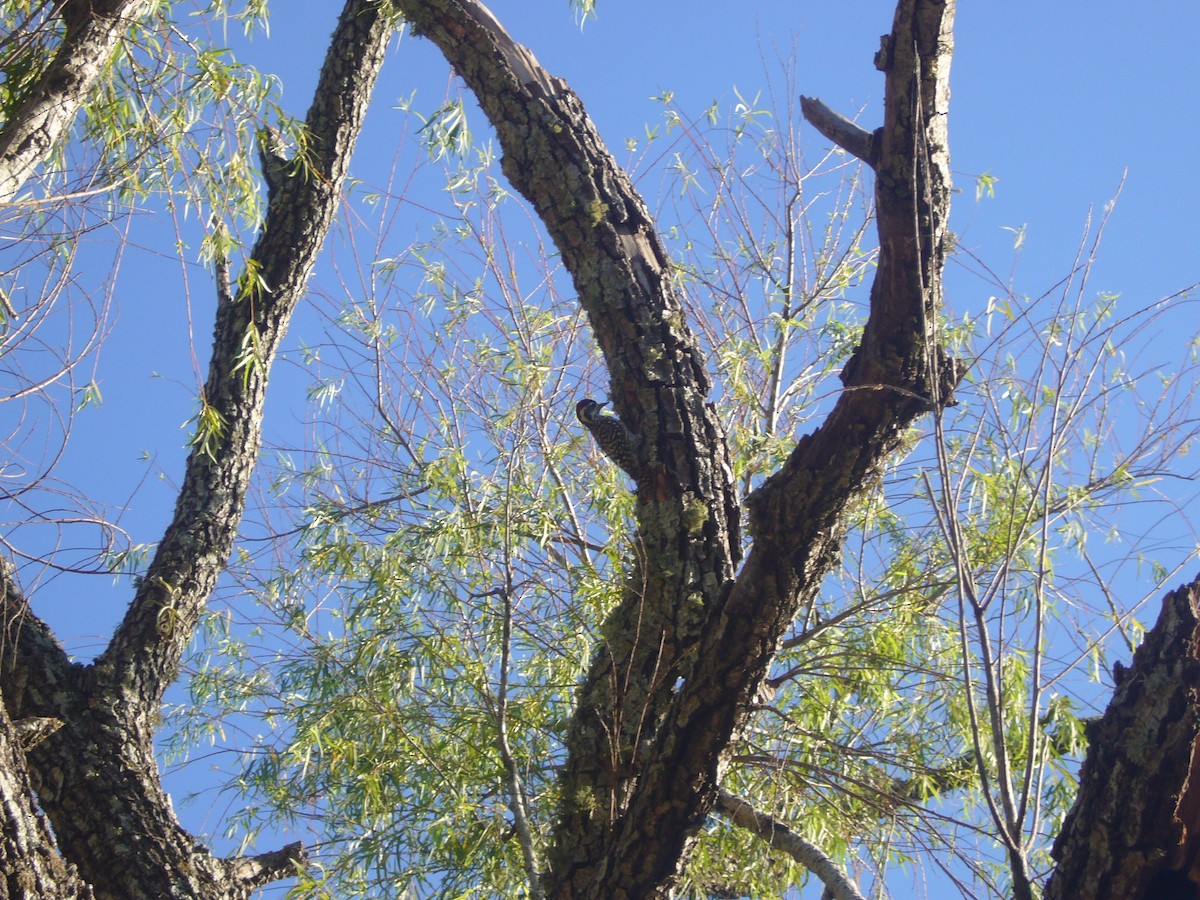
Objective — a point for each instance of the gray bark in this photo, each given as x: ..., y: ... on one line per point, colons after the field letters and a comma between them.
x: 93, y: 29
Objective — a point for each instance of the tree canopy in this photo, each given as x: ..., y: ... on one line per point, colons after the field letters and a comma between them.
x: 846, y: 616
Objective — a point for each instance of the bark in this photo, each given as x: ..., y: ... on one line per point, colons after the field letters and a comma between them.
x: 93, y: 29
x: 687, y: 649
x: 687, y: 508
x: 30, y: 864
x: 97, y: 777
x: 838, y: 885
x: 1134, y: 830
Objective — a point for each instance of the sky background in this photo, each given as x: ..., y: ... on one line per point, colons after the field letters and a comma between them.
x: 1059, y: 101
x: 1060, y: 114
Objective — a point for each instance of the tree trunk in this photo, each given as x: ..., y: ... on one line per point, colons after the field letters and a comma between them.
x: 690, y: 643
x: 1134, y: 830
x: 97, y: 777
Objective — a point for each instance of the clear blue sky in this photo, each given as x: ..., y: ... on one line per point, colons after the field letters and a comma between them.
x: 1057, y: 100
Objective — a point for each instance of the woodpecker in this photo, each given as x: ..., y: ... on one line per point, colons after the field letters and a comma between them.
x: 610, y: 433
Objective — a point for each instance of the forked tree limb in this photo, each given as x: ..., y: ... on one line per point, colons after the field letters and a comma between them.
x: 643, y: 762
x: 97, y: 777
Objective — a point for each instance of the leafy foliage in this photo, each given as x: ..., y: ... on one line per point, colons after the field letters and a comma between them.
x: 405, y: 634
x: 454, y: 548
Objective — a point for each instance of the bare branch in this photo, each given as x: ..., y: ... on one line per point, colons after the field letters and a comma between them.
x: 741, y: 813
x: 846, y: 134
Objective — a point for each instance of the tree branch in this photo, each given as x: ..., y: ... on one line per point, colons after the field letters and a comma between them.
x: 687, y: 510
x: 741, y: 813
x: 145, y: 650
x: 844, y: 133
x: 97, y: 777
x: 644, y: 758
x: 797, y: 515
x: 49, y: 108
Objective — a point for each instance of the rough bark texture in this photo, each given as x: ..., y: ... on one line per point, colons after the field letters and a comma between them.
x: 97, y: 778
x: 689, y: 645
x: 93, y: 29
x: 1134, y: 831
x: 687, y: 507
x: 30, y: 865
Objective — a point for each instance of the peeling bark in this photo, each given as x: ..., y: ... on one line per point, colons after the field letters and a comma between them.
x: 689, y: 645
x: 1134, y: 830
x: 97, y: 777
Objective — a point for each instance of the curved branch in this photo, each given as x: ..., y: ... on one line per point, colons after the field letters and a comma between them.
x: 741, y: 813
x: 554, y: 156
x: 145, y: 650
x: 687, y: 508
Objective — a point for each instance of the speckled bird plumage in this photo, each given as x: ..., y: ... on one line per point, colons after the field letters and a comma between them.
x: 610, y: 433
